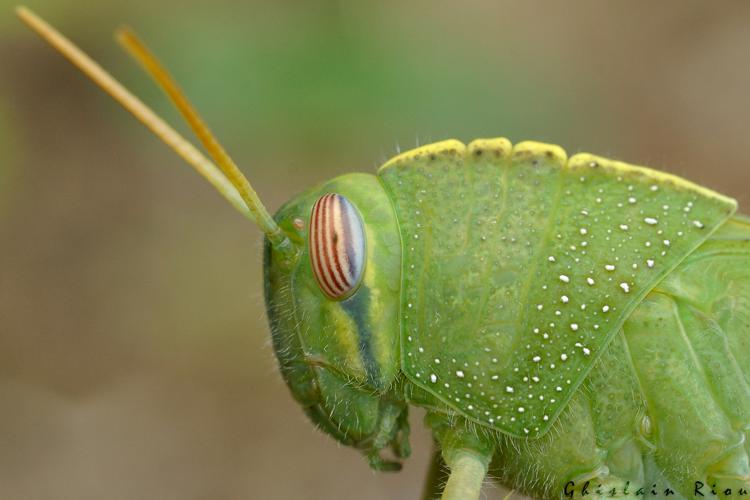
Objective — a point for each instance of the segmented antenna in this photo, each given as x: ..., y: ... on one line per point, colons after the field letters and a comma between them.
x: 228, y: 179
x: 138, y: 50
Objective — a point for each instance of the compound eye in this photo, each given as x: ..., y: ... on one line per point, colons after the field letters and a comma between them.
x: 337, y: 246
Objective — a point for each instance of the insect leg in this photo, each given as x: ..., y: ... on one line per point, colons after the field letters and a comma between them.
x: 391, y: 423
x: 466, y: 453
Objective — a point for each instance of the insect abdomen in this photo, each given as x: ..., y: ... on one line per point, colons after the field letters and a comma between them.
x: 667, y: 407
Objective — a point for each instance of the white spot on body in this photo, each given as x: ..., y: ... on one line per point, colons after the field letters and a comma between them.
x: 646, y: 425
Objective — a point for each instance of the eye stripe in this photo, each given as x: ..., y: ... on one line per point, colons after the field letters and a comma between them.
x: 331, y: 245
x: 316, y: 237
x: 337, y: 245
x: 332, y: 285
x: 325, y: 277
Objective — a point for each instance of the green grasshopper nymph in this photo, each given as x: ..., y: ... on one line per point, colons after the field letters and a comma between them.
x: 572, y: 326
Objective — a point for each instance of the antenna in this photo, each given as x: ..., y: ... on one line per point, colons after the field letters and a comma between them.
x: 228, y: 180
x: 138, y: 50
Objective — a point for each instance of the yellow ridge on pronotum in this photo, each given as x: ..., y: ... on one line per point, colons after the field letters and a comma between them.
x: 455, y: 147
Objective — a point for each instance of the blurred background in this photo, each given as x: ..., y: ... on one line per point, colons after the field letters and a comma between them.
x: 134, y: 350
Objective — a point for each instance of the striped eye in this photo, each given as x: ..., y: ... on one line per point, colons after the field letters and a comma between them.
x: 337, y: 245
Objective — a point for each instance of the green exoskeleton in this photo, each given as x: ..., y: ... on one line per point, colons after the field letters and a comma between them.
x: 571, y: 325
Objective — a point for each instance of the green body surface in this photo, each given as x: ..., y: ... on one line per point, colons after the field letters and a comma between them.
x: 573, y: 326
x: 340, y: 358
x: 667, y: 405
x: 520, y: 266
x: 569, y: 319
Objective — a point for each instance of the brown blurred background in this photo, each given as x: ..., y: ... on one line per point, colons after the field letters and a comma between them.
x: 134, y: 352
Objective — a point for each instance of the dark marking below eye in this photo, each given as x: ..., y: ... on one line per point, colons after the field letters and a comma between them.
x: 357, y: 307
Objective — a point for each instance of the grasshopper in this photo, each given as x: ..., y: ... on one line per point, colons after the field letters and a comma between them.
x: 572, y: 326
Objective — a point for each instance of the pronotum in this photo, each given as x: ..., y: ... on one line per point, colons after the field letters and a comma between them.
x: 571, y: 325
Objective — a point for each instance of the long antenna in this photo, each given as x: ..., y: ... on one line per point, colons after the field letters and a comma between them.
x: 138, y: 50
x: 153, y: 122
